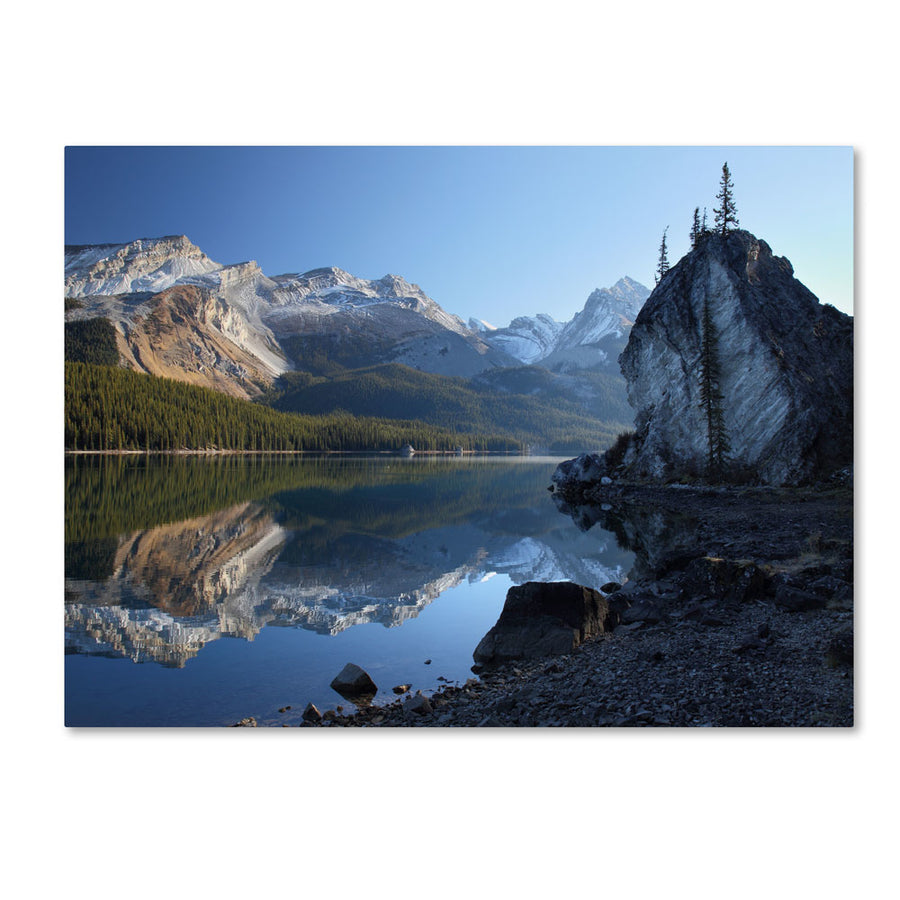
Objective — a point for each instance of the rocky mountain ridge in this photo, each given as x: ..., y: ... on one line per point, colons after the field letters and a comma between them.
x: 247, y: 328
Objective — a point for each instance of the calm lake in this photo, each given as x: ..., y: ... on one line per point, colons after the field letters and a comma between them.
x: 202, y: 590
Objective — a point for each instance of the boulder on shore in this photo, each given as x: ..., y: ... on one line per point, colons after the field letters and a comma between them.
x: 545, y: 619
x: 585, y: 469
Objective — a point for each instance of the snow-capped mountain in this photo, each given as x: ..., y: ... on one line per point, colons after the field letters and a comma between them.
x: 591, y: 338
x: 334, y: 289
x: 246, y: 327
x: 145, y: 265
x: 607, y: 311
x: 362, y: 322
x: 527, y: 338
x: 180, y: 314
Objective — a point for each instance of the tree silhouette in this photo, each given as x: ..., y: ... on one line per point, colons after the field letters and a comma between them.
x: 726, y: 214
x: 711, y: 398
x: 695, y: 227
x: 663, y: 265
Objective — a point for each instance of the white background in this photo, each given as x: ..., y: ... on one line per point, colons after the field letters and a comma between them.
x: 625, y: 813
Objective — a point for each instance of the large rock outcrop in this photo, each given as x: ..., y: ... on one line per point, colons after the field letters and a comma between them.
x: 785, y: 368
x: 545, y: 619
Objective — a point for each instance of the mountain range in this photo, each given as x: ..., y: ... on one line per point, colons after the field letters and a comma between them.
x: 177, y: 313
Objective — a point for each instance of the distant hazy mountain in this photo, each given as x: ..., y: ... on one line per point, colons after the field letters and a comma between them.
x: 594, y: 337
x: 527, y: 338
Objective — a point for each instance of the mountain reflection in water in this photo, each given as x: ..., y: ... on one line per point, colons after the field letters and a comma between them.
x: 654, y: 535
x: 319, y: 544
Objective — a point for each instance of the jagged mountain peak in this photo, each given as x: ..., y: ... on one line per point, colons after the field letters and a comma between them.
x: 398, y: 285
x: 174, y: 241
x: 526, y: 338
x: 331, y: 284
x: 626, y: 294
x: 628, y: 287
x: 325, y: 274
x: 145, y: 264
x: 604, y: 310
x: 607, y: 315
x: 479, y: 326
x: 171, y: 245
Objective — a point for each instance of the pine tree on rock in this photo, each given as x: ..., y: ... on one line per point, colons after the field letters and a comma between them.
x: 663, y: 265
x: 695, y: 228
x: 718, y: 446
x: 726, y: 214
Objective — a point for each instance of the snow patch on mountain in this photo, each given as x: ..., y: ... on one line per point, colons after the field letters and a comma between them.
x: 607, y: 312
x: 321, y: 291
x: 527, y: 338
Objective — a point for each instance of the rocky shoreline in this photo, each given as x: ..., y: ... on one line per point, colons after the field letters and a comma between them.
x: 739, y: 613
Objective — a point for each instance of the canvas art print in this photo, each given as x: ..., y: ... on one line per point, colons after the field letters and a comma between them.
x: 436, y: 437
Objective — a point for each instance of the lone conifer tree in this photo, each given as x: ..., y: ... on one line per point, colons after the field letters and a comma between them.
x: 711, y: 398
x: 726, y: 214
x: 695, y: 227
x: 663, y: 265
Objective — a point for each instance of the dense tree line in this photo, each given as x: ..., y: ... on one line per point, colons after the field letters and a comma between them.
x: 109, y: 408
x: 464, y: 405
x: 91, y: 341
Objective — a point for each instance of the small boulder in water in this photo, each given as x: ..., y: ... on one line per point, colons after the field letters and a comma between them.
x: 352, y: 681
x: 311, y: 713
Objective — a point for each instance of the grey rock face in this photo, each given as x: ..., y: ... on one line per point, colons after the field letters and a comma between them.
x: 545, y: 619
x: 786, y: 367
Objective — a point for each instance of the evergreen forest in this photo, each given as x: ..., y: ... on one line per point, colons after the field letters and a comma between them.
x: 109, y: 408
x: 525, y: 403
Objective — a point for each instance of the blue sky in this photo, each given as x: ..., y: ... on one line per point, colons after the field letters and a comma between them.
x: 487, y: 231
